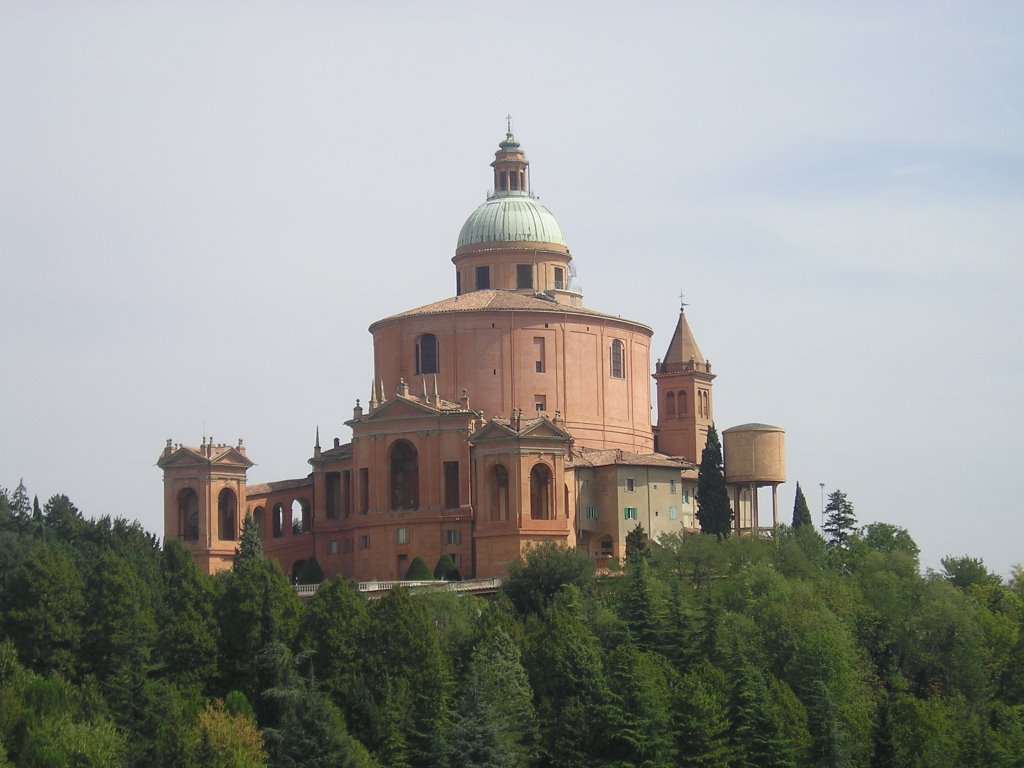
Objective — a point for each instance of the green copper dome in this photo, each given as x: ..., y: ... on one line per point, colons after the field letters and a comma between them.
x: 511, y: 217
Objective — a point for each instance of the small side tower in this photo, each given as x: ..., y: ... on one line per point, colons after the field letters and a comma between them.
x: 684, y: 395
x: 204, y: 489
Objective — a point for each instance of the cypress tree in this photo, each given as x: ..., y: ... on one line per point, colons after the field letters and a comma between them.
x: 713, y: 510
x: 445, y: 565
x: 250, y: 543
x: 801, y: 514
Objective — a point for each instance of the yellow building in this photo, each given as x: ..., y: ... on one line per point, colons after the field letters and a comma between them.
x: 505, y: 416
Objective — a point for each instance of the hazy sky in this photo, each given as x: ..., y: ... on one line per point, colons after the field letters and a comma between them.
x: 204, y: 205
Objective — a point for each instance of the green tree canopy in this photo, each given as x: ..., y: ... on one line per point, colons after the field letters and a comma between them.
x: 535, y: 578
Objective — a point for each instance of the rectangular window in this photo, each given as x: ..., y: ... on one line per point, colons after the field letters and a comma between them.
x: 671, y: 486
x: 403, y: 535
x: 629, y: 513
x: 542, y: 403
x: 453, y: 536
x: 334, y: 546
x: 630, y: 484
x: 524, y: 275
x: 346, y: 546
x: 451, y: 485
x: 458, y: 283
x: 559, y: 278
x: 364, y: 542
x: 346, y: 492
x: 483, y: 278
x: 538, y: 348
x: 591, y: 513
x: 333, y: 487
x: 673, y: 513
x: 686, y: 495
x: 364, y: 490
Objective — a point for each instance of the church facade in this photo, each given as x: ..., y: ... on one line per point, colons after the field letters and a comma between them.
x: 505, y: 416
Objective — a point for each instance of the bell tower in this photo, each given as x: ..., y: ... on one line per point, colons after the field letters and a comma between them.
x: 204, y: 500
x: 684, y: 395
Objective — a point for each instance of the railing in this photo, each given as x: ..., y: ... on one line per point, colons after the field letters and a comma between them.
x: 469, y: 585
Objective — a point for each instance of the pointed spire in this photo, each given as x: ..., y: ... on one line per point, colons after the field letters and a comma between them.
x: 316, y: 445
x: 683, y: 347
x: 373, y: 396
x: 383, y: 397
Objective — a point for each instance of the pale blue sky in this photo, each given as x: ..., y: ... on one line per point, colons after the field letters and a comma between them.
x: 204, y: 205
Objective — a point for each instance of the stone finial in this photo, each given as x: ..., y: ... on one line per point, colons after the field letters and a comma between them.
x: 465, y: 399
x: 402, y: 388
x: 357, y: 412
x: 373, y: 397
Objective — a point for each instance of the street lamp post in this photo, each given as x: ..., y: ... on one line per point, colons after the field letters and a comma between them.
x: 822, y: 486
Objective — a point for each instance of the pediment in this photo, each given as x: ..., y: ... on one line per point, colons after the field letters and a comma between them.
x: 539, y: 428
x: 492, y: 430
x: 544, y: 428
x: 192, y: 457
x: 231, y: 457
x: 182, y: 457
x: 401, y: 407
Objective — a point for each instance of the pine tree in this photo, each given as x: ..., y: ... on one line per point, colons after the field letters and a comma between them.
x: 250, y: 543
x: 21, y: 507
x: 801, y: 514
x: 840, y: 521
x: 37, y: 512
x: 713, y: 510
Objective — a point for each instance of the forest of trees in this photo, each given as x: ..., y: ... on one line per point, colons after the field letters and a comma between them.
x: 701, y: 650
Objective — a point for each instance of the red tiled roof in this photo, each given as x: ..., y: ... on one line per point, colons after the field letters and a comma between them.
x: 492, y: 300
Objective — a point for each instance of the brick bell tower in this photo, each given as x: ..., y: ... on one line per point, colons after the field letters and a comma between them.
x: 684, y: 395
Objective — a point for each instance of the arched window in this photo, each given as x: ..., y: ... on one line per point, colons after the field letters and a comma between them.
x: 278, y: 521
x: 499, y: 493
x: 188, y: 515
x: 404, y: 476
x: 618, y: 354
x: 426, y: 354
x: 682, y: 402
x: 301, y: 518
x: 227, y: 508
x: 258, y: 520
x: 541, y: 507
x: 670, y: 405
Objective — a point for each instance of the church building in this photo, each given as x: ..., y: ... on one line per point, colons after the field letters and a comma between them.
x: 505, y: 416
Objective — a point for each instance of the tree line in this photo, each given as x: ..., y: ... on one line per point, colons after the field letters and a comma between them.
x: 710, y: 650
